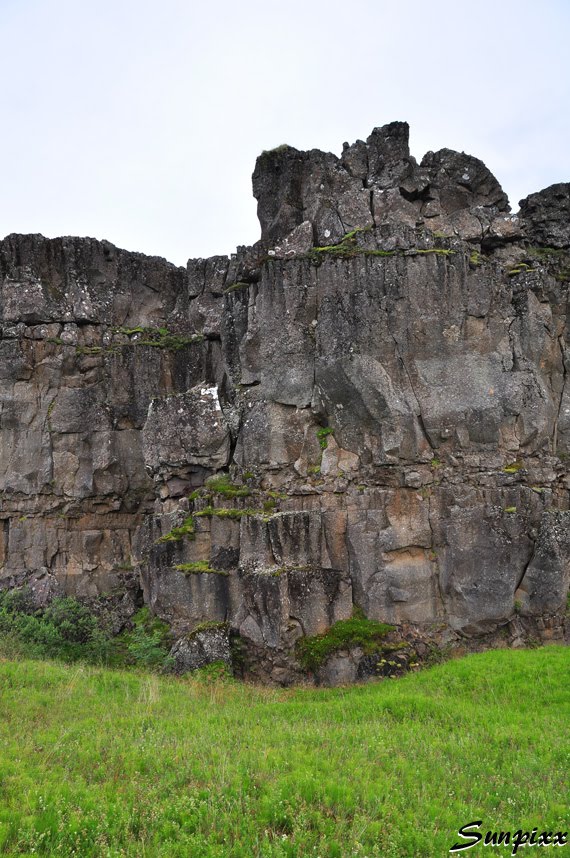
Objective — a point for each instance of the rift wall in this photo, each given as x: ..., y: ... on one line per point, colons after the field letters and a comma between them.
x: 383, y: 378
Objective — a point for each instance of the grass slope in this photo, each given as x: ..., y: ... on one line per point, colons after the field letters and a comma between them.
x: 102, y: 763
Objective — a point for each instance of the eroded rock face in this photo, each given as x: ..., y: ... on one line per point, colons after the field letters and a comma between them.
x: 383, y: 380
x: 375, y: 183
x: 547, y: 215
x: 202, y: 647
x: 186, y: 429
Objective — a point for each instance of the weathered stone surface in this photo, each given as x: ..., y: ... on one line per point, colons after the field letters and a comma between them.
x: 374, y: 183
x: 545, y: 583
x: 389, y: 162
x: 201, y: 648
x: 546, y: 215
x: 186, y: 429
x: 459, y: 181
x: 292, y: 187
x: 393, y: 404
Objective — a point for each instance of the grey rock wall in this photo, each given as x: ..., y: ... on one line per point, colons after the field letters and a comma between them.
x: 383, y: 377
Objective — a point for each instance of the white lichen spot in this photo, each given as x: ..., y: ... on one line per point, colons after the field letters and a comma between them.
x: 451, y: 334
x: 327, y: 233
x: 212, y: 392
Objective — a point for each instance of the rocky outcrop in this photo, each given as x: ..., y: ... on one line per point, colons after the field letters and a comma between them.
x: 375, y: 183
x: 547, y: 216
x: 369, y: 408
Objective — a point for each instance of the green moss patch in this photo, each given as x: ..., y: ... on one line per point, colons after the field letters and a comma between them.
x: 440, y: 251
x: 223, y: 512
x: 312, y: 652
x: 222, y: 485
x: 235, y: 287
x: 208, y: 626
x: 89, y: 350
x: 513, y: 468
x: 520, y: 268
x: 187, y: 528
x: 199, y: 567
x: 160, y: 338
x: 349, y: 247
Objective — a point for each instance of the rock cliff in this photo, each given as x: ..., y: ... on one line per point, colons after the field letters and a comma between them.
x: 368, y: 409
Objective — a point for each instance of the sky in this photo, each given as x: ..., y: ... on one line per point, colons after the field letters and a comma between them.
x: 140, y: 121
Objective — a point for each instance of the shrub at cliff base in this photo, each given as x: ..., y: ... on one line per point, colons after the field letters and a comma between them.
x: 68, y: 630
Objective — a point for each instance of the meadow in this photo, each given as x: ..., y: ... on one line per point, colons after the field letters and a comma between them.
x: 101, y: 762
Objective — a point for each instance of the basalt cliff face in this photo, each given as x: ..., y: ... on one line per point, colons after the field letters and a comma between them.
x: 379, y: 389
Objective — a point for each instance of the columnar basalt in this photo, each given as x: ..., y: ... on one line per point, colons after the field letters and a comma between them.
x: 368, y: 410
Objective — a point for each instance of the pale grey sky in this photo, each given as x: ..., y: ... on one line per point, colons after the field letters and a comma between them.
x: 140, y: 121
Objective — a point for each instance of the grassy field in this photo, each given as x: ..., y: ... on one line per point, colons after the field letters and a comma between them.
x: 101, y: 763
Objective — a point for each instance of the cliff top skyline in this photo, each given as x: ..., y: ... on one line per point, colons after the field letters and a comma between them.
x: 141, y: 123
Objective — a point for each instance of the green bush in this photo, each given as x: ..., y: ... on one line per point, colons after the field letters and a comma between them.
x: 65, y: 629
x: 73, y: 621
x: 148, y: 644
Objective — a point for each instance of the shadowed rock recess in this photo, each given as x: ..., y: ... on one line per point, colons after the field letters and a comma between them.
x: 366, y: 414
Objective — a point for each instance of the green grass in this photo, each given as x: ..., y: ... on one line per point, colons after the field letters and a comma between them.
x: 103, y: 763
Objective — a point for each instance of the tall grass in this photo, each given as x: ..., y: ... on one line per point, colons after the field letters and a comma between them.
x: 106, y: 763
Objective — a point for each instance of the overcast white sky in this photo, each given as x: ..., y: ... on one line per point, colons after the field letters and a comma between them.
x: 140, y: 121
